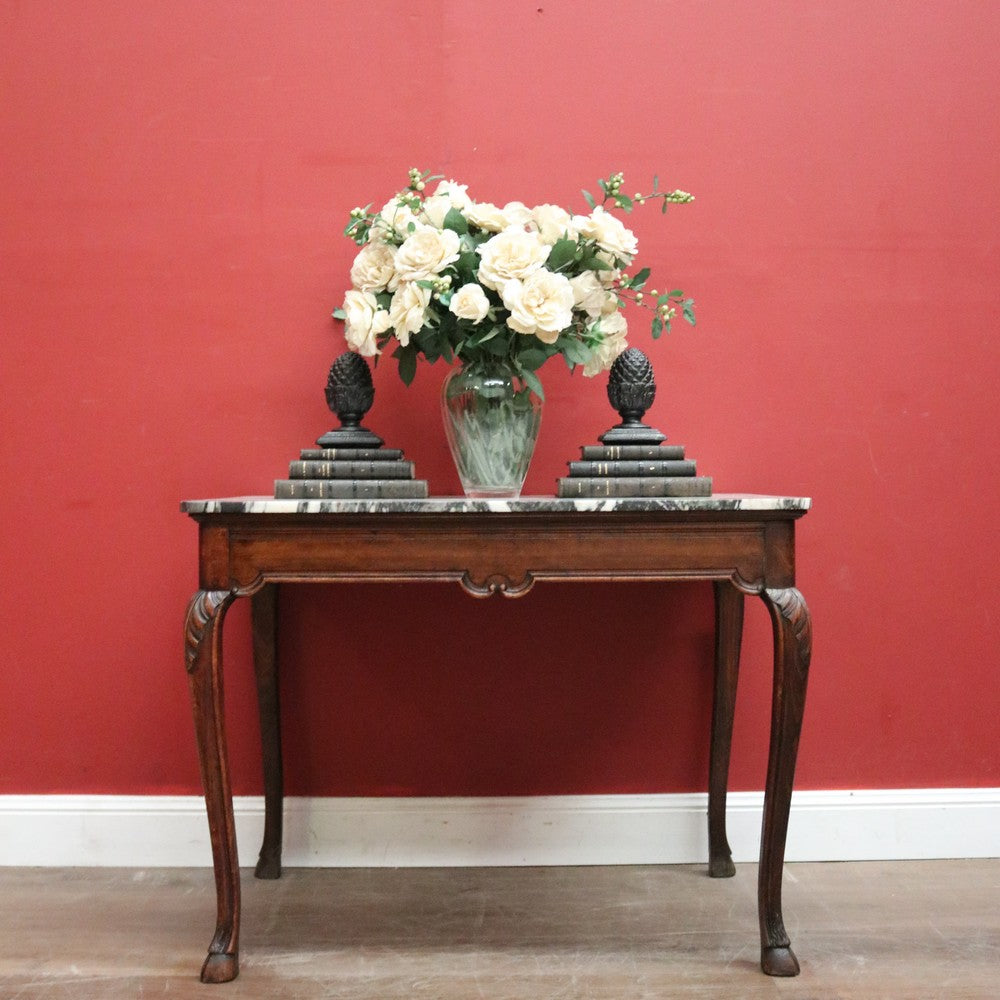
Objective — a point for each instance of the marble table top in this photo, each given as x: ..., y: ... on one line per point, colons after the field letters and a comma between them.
x: 522, y: 505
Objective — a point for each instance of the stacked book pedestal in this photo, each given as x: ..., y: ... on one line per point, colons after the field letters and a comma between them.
x: 633, y: 470
x: 350, y: 474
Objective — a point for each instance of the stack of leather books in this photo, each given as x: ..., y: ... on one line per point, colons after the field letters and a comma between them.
x: 350, y: 474
x: 633, y: 470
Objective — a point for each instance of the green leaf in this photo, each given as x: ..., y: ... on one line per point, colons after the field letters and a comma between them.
x: 657, y: 327
x: 592, y: 262
x: 656, y: 183
x: 675, y: 294
x: 339, y: 313
x: 407, y: 358
x: 466, y: 266
x: 624, y: 202
x: 437, y: 343
x: 475, y: 238
x: 688, y: 311
x: 563, y: 254
x: 532, y: 358
x: 640, y: 279
x: 533, y: 382
x: 575, y: 351
x: 589, y: 198
x: 663, y: 210
x: 456, y: 222
x: 489, y: 334
x: 497, y: 347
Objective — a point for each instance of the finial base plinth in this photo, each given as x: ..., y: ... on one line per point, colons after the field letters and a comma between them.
x: 636, y: 433
x: 350, y: 437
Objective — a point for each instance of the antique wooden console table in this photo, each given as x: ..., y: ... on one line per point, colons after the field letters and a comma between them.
x: 742, y: 544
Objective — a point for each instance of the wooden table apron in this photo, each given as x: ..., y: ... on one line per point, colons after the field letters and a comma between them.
x: 740, y: 551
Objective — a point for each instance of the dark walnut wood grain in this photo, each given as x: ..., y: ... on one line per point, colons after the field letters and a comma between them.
x: 740, y: 552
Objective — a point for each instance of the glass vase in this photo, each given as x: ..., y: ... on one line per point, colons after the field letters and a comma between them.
x: 491, y: 419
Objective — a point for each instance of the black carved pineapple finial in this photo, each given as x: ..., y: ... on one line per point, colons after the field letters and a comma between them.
x: 631, y: 390
x: 350, y: 394
x: 349, y: 389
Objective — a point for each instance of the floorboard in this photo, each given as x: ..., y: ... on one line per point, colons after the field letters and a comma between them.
x: 872, y: 930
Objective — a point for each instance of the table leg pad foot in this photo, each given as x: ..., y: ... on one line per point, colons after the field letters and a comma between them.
x: 268, y: 868
x: 779, y: 962
x: 220, y: 968
x: 721, y: 867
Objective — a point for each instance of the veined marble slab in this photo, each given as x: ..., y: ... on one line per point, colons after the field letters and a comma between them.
x: 523, y: 505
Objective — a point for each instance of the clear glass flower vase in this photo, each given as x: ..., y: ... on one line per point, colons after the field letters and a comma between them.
x: 491, y: 420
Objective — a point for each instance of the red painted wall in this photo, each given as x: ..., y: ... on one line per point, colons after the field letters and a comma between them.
x: 173, y: 184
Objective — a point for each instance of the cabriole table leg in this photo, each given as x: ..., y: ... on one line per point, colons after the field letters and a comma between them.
x: 263, y: 611
x: 728, y: 636
x: 792, y: 628
x: 203, y: 658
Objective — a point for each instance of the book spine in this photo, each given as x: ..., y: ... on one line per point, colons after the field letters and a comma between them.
x: 632, y: 468
x: 350, y: 489
x: 631, y: 452
x: 689, y: 486
x: 350, y: 470
x: 351, y: 454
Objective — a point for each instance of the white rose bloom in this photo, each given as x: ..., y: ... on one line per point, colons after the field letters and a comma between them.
x: 614, y: 329
x: 513, y: 253
x: 609, y: 233
x: 373, y: 267
x: 487, y: 216
x: 407, y: 310
x: 455, y: 193
x: 553, y: 223
x: 614, y: 324
x: 610, y: 277
x: 396, y: 218
x: 425, y: 253
x: 542, y: 304
x: 611, y: 304
x: 470, y: 302
x: 516, y: 213
x: 364, y: 322
x: 435, y: 209
x: 589, y: 294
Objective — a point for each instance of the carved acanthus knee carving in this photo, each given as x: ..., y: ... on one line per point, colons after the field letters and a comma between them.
x: 792, y: 607
x: 204, y: 607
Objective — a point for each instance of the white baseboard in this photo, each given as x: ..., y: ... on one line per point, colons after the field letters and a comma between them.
x: 162, y: 831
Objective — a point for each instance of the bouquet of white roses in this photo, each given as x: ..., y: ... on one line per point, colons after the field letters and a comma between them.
x: 443, y: 276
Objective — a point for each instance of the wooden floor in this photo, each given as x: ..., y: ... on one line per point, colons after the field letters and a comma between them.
x: 904, y: 929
